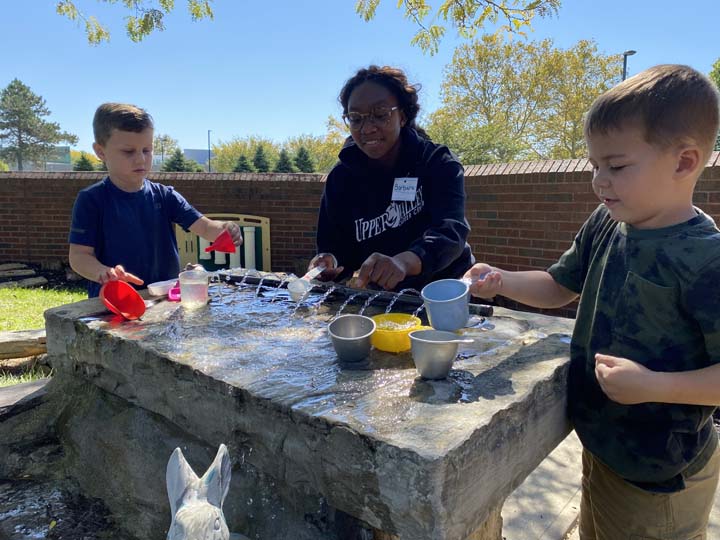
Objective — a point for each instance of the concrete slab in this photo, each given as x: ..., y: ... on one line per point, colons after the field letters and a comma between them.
x: 10, y: 395
x: 545, y: 506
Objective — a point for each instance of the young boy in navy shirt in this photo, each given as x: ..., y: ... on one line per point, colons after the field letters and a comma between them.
x: 122, y: 227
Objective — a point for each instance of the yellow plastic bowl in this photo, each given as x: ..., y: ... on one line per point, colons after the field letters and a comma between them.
x: 391, y: 332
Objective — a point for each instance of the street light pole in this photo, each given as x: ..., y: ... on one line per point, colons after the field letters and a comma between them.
x: 625, y: 55
x: 209, y: 166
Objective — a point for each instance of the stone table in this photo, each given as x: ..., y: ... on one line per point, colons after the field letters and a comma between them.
x: 319, y: 448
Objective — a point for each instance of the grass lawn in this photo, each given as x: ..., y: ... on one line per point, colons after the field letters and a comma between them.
x: 10, y: 379
x: 22, y: 309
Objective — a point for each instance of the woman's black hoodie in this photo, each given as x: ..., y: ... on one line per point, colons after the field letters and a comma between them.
x: 357, y: 216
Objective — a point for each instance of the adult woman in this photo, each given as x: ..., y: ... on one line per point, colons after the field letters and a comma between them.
x: 393, y: 207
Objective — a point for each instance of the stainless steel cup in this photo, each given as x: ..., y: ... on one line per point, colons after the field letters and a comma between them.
x: 350, y: 336
x: 434, y: 352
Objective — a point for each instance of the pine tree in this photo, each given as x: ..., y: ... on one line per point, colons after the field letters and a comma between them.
x: 101, y: 166
x: 260, y: 161
x: 303, y: 161
x: 284, y: 165
x: 24, y: 134
x: 243, y: 165
x: 83, y: 163
x: 179, y: 163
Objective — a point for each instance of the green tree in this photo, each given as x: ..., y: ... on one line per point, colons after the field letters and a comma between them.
x: 303, y: 160
x: 164, y: 145
x: 4, y: 167
x: 284, y: 163
x: 474, y: 144
x: 715, y: 73
x: 27, y: 136
x: 466, y: 16
x: 101, y: 166
x: 260, y: 161
x: 324, y: 149
x: 179, y: 163
x: 243, y: 165
x: 144, y: 17
x: 715, y: 76
x: 226, y: 154
x: 83, y: 163
x: 526, y: 100
x: 75, y: 155
x: 577, y: 76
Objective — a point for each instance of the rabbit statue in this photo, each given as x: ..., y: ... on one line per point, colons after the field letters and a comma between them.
x: 196, y: 503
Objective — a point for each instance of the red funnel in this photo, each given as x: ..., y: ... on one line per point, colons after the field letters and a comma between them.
x: 223, y: 243
x: 122, y: 299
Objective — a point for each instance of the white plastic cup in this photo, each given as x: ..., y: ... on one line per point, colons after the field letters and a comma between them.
x: 298, y: 289
x: 193, y: 288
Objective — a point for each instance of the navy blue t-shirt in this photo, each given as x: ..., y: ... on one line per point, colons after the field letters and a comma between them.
x: 132, y: 229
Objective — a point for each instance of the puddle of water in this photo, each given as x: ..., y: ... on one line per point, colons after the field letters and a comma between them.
x: 254, y: 341
x: 30, y: 509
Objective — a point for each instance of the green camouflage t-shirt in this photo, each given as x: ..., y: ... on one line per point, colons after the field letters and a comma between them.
x: 652, y: 296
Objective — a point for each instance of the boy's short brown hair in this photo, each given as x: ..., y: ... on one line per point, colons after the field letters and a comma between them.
x: 122, y: 116
x: 673, y: 104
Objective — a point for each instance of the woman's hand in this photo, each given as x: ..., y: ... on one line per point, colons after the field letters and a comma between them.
x: 385, y: 271
x: 328, y: 260
x: 484, y: 281
x: 118, y: 273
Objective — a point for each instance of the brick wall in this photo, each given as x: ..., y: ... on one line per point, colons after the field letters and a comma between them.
x: 523, y: 215
x: 39, y: 205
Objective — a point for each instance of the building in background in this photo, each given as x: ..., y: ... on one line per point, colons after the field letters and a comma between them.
x: 56, y: 160
x: 198, y: 155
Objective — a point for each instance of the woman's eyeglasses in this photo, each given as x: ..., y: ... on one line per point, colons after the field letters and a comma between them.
x: 379, y: 116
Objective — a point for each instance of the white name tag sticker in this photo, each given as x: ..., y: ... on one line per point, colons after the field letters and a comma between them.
x: 404, y: 189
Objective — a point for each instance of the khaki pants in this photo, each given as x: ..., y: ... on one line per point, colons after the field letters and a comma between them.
x: 614, y: 509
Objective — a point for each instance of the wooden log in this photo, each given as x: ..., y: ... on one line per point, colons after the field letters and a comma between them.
x: 22, y: 343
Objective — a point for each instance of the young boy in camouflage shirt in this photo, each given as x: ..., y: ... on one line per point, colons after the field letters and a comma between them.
x: 644, y: 374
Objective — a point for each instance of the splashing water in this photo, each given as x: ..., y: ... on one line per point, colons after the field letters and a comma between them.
x: 369, y: 301
x: 418, y: 311
x: 345, y: 303
x: 283, y: 281
x: 324, y: 297
x: 299, y: 302
x: 397, y: 297
x: 249, y: 272
x: 216, y: 279
x: 259, y: 286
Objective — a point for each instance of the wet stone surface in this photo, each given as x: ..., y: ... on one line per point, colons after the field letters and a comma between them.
x: 412, y: 457
x: 30, y: 509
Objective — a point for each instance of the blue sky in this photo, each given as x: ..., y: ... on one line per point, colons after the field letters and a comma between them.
x: 274, y: 68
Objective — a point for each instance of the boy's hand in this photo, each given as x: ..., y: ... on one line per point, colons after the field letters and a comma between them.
x: 118, y: 273
x: 484, y: 281
x: 624, y: 381
x: 235, y: 232
x: 328, y: 260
